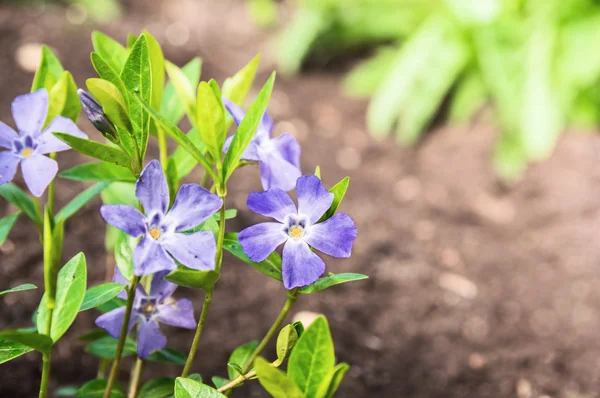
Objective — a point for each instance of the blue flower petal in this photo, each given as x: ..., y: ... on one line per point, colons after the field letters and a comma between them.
x: 334, y: 236
x: 38, y: 171
x: 273, y: 203
x: 301, y: 266
x: 313, y: 199
x: 152, y: 189
x: 276, y: 172
x: 193, y: 205
x: 149, y: 339
x: 181, y: 314
x: 289, y: 148
x: 49, y: 143
x: 113, y: 321
x: 125, y: 218
x: 160, y: 288
x: 195, y: 250
x: 260, y: 240
x: 8, y: 166
x: 149, y: 257
x: 30, y: 111
x: 7, y: 136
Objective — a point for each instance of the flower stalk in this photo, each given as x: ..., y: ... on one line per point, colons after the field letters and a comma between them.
x: 136, y: 377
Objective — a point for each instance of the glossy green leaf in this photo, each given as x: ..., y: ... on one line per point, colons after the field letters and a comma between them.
x: 187, y: 277
x: 64, y: 100
x: 106, y: 72
x: 271, y: 266
x: 96, y: 150
x: 184, y: 161
x: 210, y: 118
x: 158, y: 387
x: 247, y: 129
x: 183, y: 91
x: 235, y: 369
x: 98, y: 172
x: 100, y: 294
x: 124, y: 248
x: 6, y: 225
x: 79, y: 201
x: 137, y: 78
x: 112, y: 101
x: 11, y: 350
x: 286, y: 340
x: 299, y: 328
x: 313, y: 358
x: 70, y: 291
x: 331, y: 280
x: 219, y: 381
x: 168, y: 355
x: 240, y: 356
x: 48, y: 71
x: 113, y: 52
x: 95, y: 389
x: 106, y: 347
x: 276, y: 382
x: 338, y: 191
x: 236, y: 87
x: 187, y: 388
x: 157, y: 63
x: 21, y: 200
x: 20, y: 288
x: 331, y: 384
x: 33, y: 340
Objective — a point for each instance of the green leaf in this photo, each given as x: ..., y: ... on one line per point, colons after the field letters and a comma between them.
x: 95, y: 389
x: 235, y: 369
x: 276, y: 382
x: 333, y: 381
x: 137, y: 78
x: 106, y: 347
x: 247, y: 129
x: 93, y: 335
x: 18, y: 198
x: 364, y: 79
x: 179, y: 92
x: 48, y: 71
x: 98, y: 172
x: 100, y: 294
x: 11, y: 350
x: 338, y: 191
x: 172, y: 179
x: 6, y: 225
x: 219, y: 381
x: 34, y: 340
x: 70, y: 291
x: 195, y: 376
x: 64, y: 100
x: 286, y: 340
x: 187, y: 277
x: 313, y: 357
x: 331, y: 280
x: 112, y: 101
x: 66, y: 391
x: 96, y: 150
x: 157, y: 63
x: 179, y: 137
x: 469, y: 97
x: 318, y: 172
x: 236, y: 87
x: 79, y: 201
x: 183, y: 86
x: 111, y: 305
x: 106, y: 72
x: 210, y: 118
x: 168, y: 355
x: 124, y: 254
x: 299, y: 327
x: 181, y: 157
x: 240, y: 356
x: 271, y: 266
x: 110, y: 50
x: 187, y: 388
x: 20, y: 288
x: 158, y: 387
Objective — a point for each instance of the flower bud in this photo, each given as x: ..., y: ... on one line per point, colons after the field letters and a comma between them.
x: 96, y: 115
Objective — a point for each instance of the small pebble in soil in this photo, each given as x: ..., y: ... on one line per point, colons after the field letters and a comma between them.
x: 407, y: 189
x: 28, y: 56
x: 475, y: 329
x: 348, y: 158
x: 543, y: 322
x: 477, y: 361
x: 177, y: 34
x: 524, y: 389
x: 450, y: 257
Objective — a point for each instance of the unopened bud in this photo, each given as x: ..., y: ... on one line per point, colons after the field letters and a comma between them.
x: 96, y: 115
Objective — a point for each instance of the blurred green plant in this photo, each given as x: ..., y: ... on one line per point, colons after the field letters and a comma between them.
x: 100, y: 11
x: 534, y: 60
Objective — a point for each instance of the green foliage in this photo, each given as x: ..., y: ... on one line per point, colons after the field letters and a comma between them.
x: 276, y: 382
x: 179, y: 93
x: 187, y: 277
x: 95, y: 389
x: 210, y: 118
x: 19, y: 199
x: 112, y: 101
x: 6, y: 224
x: 111, y: 51
x: 271, y: 266
x: 20, y: 288
x: 100, y: 294
x: 288, y: 336
x: 64, y: 99
x: 11, y: 350
x: 338, y: 191
x: 158, y: 387
x: 96, y: 150
x: 239, y: 357
x: 331, y: 280
x: 48, y: 71
x: 188, y: 388
x: 236, y: 87
x: 124, y: 247
x: 79, y: 201
x: 33, y: 340
x: 98, y: 171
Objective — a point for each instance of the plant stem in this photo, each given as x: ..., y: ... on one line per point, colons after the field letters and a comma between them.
x: 162, y: 148
x: 292, y: 296
x: 117, y: 361
x: 136, y: 377
x: 208, y: 296
x: 102, y: 368
x: 38, y: 212
x: 50, y: 201
x: 45, y: 376
x: 236, y: 381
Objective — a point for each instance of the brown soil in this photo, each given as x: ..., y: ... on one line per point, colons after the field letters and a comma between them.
x: 476, y: 289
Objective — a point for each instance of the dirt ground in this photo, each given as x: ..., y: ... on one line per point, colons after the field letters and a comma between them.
x: 476, y: 289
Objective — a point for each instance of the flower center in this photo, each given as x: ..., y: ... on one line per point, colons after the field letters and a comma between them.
x: 155, y: 232
x: 148, y: 308
x: 26, y: 152
x: 296, y: 232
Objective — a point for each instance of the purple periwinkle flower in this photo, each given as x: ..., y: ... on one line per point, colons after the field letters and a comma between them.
x: 278, y: 158
x: 299, y: 230
x: 149, y: 309
x: 162, y: 230
x: 31, y: 143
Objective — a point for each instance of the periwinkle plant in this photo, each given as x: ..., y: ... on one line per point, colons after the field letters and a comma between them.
x: 167, y: 234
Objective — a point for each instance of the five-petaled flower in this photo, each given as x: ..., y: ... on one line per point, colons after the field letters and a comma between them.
x: 31, y: 143
x: 149, y: 309
x: 162, y: 230
x: 298, y: 229
x: 278, y: 158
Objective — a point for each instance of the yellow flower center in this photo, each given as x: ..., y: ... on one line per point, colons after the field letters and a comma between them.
x: 155, y: 233
x: 148, y: 308
x: 296, y: 231
x: 26, y: 152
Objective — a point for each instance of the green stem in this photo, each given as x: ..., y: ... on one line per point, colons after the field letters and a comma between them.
x: 121, y: 343
x: 207, y: 297
x: 292, y: 296
x: 162, y: 147
x: 50, y: 201
x: 38, y: 212
x: 136, y: 377
x: 45, y: 376
x: 238, y: 380
x: 102, y: 366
